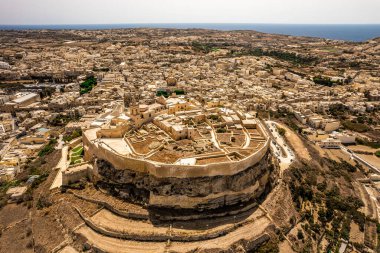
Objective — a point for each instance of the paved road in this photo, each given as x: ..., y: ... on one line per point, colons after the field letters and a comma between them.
x: 62, y: 165
x: 60, y: 142
x: 357, y: 158
x: 280, y: 149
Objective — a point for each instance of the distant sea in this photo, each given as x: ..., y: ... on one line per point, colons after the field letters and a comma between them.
x: 357, y: 33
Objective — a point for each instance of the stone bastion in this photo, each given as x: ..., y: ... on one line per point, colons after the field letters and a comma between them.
x: 187, y: 188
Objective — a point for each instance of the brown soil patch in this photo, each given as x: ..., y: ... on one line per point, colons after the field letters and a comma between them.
x: 337, y: 155
x: 43, y: 225
x: 239, y: 140
x: 355, y: 234
x: 47, y: 232
x: 280, y: 206
x: 17, y: 239
x: 362, y: 148
x: 13, y: 213
x: 168, y: 156
x: 143, y: 146
x: 212, y: 160
x: 91, y: 192
x: 256, y: 145
x: 224, y: 137
x: 285, y: 247
x: 372, y: 159
x: 295, y: 141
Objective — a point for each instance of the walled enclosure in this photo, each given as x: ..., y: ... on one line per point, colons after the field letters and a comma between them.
x: 196, y: 187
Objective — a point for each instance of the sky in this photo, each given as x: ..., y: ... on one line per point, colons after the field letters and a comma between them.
x: 32, y: 12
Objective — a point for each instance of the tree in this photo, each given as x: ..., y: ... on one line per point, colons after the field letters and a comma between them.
x: 300, y: 235
x: 281, y: 131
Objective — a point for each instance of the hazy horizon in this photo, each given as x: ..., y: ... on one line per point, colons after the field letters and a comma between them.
x: 190, y: 23
x: 88, y: 12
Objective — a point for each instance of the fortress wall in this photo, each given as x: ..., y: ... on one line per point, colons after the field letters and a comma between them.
x: 170, y: 170
x: 117, y: 132
x: 200, y: 193
x: 160, y: 170
x: 75, y: 142
x: 75, y: 174
x: 120, y: 162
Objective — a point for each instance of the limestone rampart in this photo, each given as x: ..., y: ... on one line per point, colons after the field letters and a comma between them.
x: 187, y: 193
x: 188, y: 187
x: 161, y: 170
x: 75, y: 142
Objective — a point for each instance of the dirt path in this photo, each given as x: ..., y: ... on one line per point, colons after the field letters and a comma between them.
x: 372, y: 199
x: 285, y: 247
x: 365, y: 198
x: 296, y: 143
x: 112, y: 245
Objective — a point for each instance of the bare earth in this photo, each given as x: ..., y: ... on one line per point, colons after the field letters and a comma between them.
x: 295, y: 141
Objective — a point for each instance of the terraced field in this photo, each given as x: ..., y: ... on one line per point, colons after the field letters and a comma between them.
x: 76, y: 155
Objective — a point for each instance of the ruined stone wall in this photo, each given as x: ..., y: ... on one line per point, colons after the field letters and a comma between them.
x: 76, y: 173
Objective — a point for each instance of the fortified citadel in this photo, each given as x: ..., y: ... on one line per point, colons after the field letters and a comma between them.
x: 175, y: 154
x: 149, y: 140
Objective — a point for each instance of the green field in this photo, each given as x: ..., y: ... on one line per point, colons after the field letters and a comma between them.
x: 76, y: 155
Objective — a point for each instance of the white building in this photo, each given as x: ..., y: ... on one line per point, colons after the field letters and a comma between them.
x: 345, y: 138
x: 330, y: 143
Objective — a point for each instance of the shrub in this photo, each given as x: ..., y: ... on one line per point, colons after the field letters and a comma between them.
x: 368, y: 144
x: 269, y: 247
x: 39, y: 180
x: 204, y: 48
x: 28, y: 232
x: 162, y: 93
x: 47, y: 149
x: 281, y: 131
x: 43, y: 202
x: 179, y: 92
x: 213, y: 117
x: 300, y: 234
x: 281, y: 55
x: 30, y: 244
x: 73, y: 135
x: 357, y: 127
x: 221, y: 130
x: 88, y: 85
